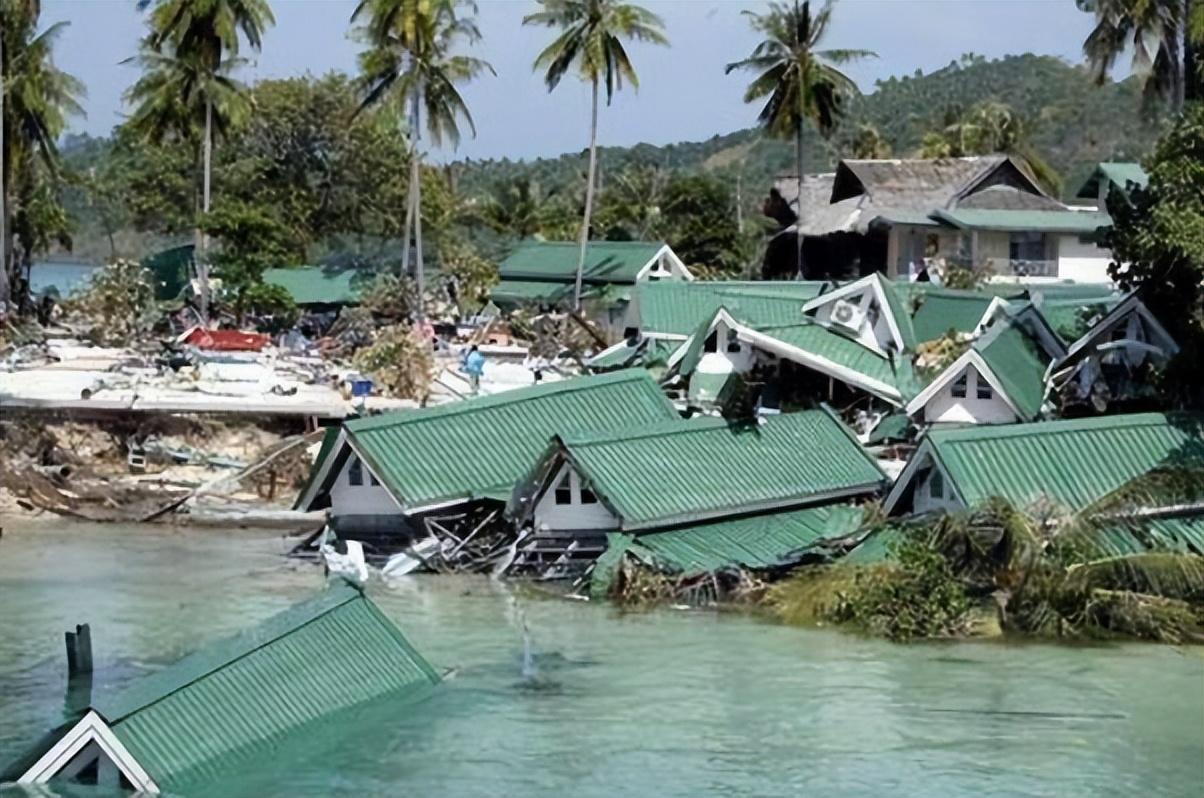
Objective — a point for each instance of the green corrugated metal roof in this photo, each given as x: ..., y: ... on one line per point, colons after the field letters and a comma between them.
x: 896, y: 372
x: 875, y: 548
x: 1019, y: 363
x: 647, y: 353
x: 761, y: 541
x: 328, y: 440
x: 678, y: 307
x: 680, y: 471
x: 942, y: 311
x: 892, y: 427
x: 1118, y: 173
x: 317, y: 285
x: 605, y: 261
x: 481, y: 446
x: 1182, y: 534
x: 508, y: 293
x: 900, y: 308
x: 233, y: 700
x: 1071, y: 318
x: 1073, y: 463
x: 1081, y: 222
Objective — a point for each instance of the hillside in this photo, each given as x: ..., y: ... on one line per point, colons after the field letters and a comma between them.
x: 1075, y: 125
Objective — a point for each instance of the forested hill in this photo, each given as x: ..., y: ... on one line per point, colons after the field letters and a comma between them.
x: 1074, y: 125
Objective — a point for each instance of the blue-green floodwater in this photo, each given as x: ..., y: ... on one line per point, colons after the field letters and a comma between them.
x: 629, y: 705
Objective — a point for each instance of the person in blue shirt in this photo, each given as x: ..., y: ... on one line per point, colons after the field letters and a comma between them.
x: 473, y: 364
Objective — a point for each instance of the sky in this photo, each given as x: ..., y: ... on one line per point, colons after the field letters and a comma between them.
x: 683, y: 93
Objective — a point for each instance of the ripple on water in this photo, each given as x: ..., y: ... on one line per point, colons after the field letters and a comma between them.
x: 654, y: 704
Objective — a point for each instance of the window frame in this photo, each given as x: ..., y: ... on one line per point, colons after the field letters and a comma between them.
x: 960, y: 387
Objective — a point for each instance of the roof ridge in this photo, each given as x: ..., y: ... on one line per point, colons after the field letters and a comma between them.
x: 1056, y: 427
x: 513, y: 396
x: 660, y: 429
x: 351, y: 593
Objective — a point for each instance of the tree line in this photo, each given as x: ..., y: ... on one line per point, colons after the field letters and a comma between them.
x: 202, y: 153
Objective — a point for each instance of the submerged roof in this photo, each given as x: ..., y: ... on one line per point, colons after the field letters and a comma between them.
x: 317, y: 285
x: 235, y: 699
x: 760, y: 541
x: 605, y: 261
x: 481, y: 447
x: 1072, y: 463
x: 683, y: 471
x: 677, y: 307
x: 1119, y: 173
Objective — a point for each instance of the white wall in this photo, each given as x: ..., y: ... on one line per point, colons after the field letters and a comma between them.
x: 367, y: 499
x: 924, y: 501
x: 1083, y: 262
x: 574, y: 516
x: 944, y: 407
x: 871, y: 335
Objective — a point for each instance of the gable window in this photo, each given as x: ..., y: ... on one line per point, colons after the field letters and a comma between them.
x: 984, y: 389
x: 733, y: 344
x: 959, y: 386
x: 564, y: 490
x: 355, y: 471
x: 372, y: 480
x: 936, y: 484
x: 712, y: 343
x: 587, y: 495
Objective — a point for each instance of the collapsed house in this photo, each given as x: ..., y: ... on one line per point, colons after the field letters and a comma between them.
x: 695, y: 479
x: 1111, y: 361
x: 902, y: 217
x: 234, y: 701
x: 542, y: 274
x: 408, y: 474
x: 1064, y: 465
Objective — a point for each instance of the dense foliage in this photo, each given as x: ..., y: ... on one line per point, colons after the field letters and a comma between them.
x: 1158, y: 242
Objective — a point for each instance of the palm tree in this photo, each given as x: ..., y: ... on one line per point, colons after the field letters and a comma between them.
x: 517, y: 208
x: 869, y: 142
x: 799, y: 81
x: 409, y: 66
x: 591, y: 41
x: 988, y: 128
x: 1161, y: 34
x: 35, y: 99
x: 202, y: 36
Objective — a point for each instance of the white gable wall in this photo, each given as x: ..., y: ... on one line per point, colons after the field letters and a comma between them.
x: 368, y: 498
x: 875, y: 329
x: 944, y: 407
x: 575, y: 515
x: 934, y: 492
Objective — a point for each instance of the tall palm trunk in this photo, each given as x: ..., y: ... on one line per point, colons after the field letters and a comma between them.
x: 415, y: 215
x: 798, y: 224
x: 202, y: 263
x: 5, y: 287
x: 589, y: 197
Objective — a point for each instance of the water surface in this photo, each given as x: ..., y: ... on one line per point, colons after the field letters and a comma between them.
x: 630, y: 705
